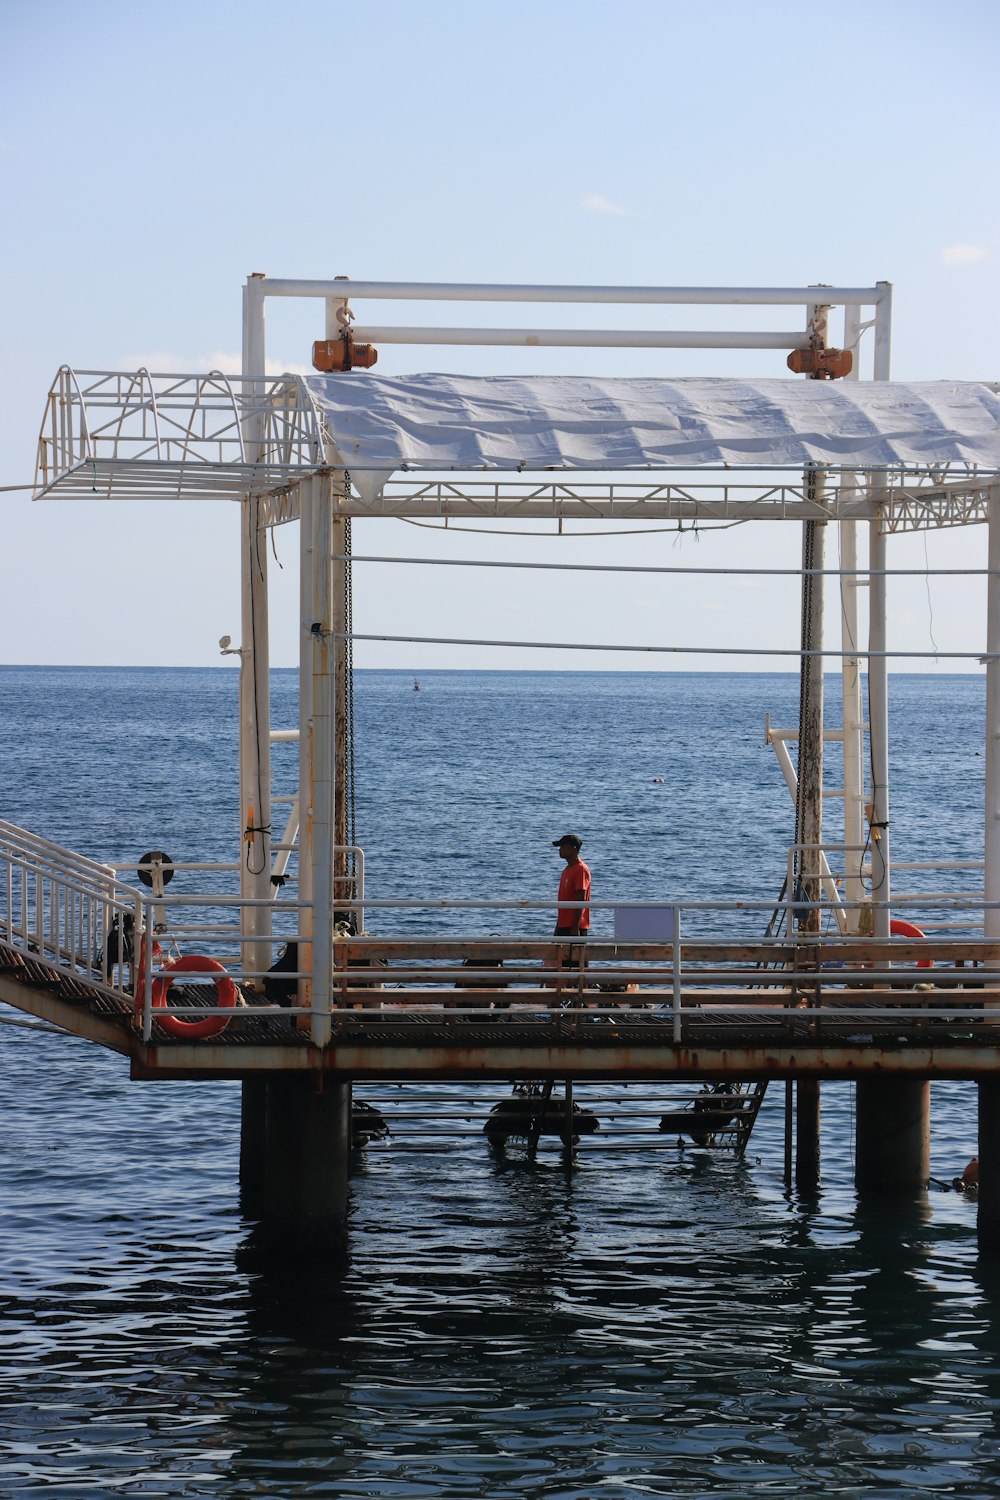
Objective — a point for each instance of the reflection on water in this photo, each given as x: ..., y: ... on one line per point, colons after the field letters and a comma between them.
x: 646, y: 1323
x: 651, y: 1322
x: 660, y: 1322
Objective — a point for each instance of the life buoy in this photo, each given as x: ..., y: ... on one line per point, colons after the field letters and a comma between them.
x: 899, y: 928
x: 225, y: 989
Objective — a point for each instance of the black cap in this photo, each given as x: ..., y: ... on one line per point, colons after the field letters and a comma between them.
x: 568, y: 838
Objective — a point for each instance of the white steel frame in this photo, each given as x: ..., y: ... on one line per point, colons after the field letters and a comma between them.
x: 113, y: 434
x: 261, y: 440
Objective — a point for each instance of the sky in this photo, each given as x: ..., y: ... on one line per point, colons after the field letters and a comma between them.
x: 153, y: 157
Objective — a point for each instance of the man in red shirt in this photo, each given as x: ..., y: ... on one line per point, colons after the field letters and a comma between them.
x: 574, y: 885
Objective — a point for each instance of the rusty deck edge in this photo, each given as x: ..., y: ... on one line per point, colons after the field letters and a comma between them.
x: 76, y: 1019
x: 603, y: 1063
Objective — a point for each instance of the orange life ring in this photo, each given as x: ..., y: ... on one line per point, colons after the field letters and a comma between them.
x: 899, y: 928
x: 226, y: 993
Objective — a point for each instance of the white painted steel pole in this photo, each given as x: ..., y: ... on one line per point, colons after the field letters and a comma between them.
x: 323, y: 736
x: 991, y: 918
x: 464, y: 291
x: 307, y: 491
x: 883, y: 332
x: 854, y: 779
x: 341, y: 833
x: 878, y: 667
x: 335, y: 312
x: 809, y: 800
x: 878, y: 718
x: 255, y: 694
x: 579, y: 338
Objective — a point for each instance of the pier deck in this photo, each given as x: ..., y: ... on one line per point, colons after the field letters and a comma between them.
x: 740, y: 1022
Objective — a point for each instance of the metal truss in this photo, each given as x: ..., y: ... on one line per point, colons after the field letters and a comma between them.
x: 902, y: 507
x: 133, y: 435
x: 118, y: 435
x: 960, y: 503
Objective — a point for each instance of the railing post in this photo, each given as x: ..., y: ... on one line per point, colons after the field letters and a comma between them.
x: 676, y: 957
x: 146, y: 917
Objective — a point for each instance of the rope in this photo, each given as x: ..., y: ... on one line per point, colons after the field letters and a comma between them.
x: 480, y: 562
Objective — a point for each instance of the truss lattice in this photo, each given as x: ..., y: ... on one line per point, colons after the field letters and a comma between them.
x: 117, y: 435
x: 136, y: 435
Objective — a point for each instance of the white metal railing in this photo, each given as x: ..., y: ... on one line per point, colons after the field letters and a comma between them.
x: 952, y: 903
x: 59, y: 908
x: 75, y: 915
x: 100, y: 425
x: 682, y: 978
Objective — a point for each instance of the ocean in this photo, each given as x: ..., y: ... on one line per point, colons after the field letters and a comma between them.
x: 644, y: 1320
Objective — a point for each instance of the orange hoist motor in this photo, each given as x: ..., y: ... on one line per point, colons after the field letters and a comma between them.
x: 331, y: 355
x: 820, y: 363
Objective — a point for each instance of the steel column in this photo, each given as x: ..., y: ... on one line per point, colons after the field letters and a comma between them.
x: 307, y: 502
x: 306, y: 1161
x: 255, y: 692
x: 253, y: 1135
x: 322, y: 758
x: 878, y: 730
x: 807, y: 1134
x: 341, y: 837
x: 893, y: 1135
x: 853, y: 719
x: 878, y: 666
x: 991, y: 916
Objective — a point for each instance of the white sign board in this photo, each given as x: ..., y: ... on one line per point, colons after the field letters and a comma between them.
x: 645, y: 924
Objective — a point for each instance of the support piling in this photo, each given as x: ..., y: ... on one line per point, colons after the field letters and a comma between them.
x: 807, y: 1135
x: 893, y: 1136
x: 306, y: 1160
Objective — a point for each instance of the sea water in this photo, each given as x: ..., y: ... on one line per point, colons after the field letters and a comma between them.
x: 644, y: 1321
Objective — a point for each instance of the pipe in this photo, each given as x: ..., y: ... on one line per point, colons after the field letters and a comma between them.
x: 322, y: 759
x: 850, y: 673
x: 445, y: 640
x: 307, y: 496
x: 992, y: 746
x: 577, y: 338
x: 427, y: 291
x: 878, y: 730
x: 563, y: 567
x: 254, y: 686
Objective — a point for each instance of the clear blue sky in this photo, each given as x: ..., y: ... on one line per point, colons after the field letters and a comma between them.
x: 153, y: 157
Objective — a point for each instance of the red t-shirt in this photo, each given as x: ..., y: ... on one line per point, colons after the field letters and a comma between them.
x: 574, y: 885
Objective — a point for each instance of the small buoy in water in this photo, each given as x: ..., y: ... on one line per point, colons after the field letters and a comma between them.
x: 969, y: 1181
x: 657, y: 779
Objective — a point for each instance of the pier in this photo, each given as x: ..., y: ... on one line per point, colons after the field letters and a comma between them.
x: 830, y: 981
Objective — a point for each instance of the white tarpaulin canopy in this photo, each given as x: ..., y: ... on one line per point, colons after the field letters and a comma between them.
x: 378, y: 424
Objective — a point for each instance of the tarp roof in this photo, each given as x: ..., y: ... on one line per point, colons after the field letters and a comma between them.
x: 379, y: 424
